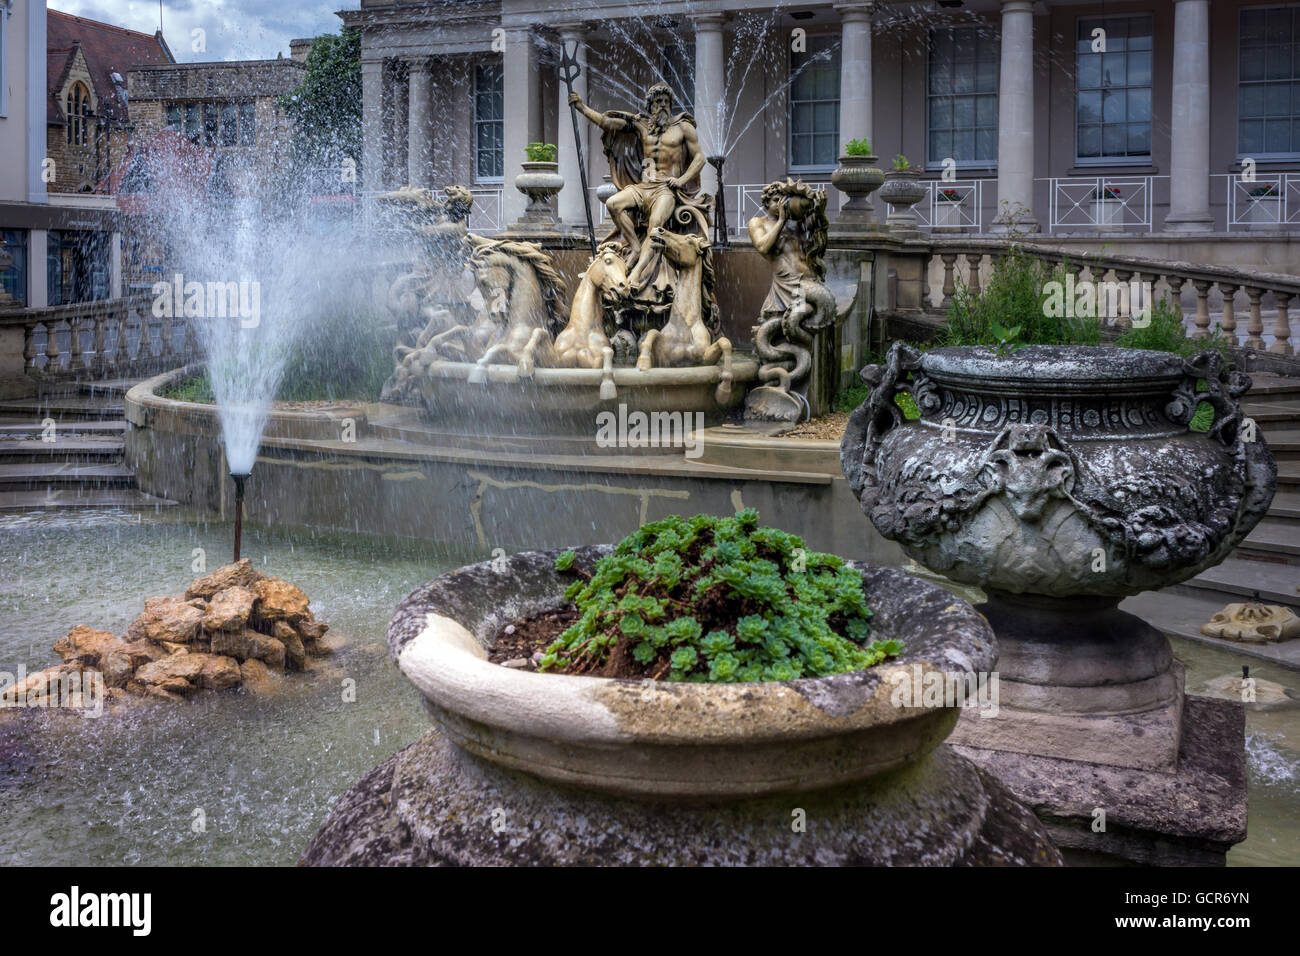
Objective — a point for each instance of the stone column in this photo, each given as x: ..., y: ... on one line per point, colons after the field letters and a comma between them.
x: 709, y: 93
x: 855, y: 71
x: 419, y: 136
x: 1016, y: 115
x: 522, y: 116
x: 38, y: 283
x: 572, y: 201
x: 1189, y: 120
x: 373, y: 134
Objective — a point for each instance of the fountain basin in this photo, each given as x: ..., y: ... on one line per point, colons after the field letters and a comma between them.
x: 567, y: 400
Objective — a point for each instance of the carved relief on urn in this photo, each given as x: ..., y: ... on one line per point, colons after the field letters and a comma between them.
x: 1058, y: 470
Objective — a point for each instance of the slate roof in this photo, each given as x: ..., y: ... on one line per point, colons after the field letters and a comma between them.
x: 108, y: 49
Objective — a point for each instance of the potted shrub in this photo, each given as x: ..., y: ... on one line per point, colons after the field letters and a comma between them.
x: 681, y: 698
x: 540, y: 182
x: 857, y: 177
x: 902, y: 190
x: 948, y: 207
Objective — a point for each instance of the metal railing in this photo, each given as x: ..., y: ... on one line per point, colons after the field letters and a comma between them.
x: 1101, y: 202
x: 1266, y: 201
x: 486, y: 213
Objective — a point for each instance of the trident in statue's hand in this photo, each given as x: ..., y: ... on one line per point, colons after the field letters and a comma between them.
x: 570, y: 70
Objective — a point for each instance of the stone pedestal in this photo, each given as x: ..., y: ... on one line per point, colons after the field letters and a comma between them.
x: 1099, y: 813
x: 1080, y: 680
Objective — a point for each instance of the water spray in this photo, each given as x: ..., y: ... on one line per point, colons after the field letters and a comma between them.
x: 239, y: 507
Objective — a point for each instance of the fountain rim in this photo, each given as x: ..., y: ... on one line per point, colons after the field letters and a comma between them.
x: 743, y: 369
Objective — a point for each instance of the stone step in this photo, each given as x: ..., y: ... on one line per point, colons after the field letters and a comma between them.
x: 32, y: 500
x: 15, y: 425
x: 1183, y: 614
x: 1272, y: 411
x: 1274, y: 537
x: 1286, y: 504
x: 1284, y: 443
x: 27, y: 476
x: 1238, y: 578
x: 63, y: 408
x: 1268, y: 383
x: 108, y: 387
x: 32, y: 448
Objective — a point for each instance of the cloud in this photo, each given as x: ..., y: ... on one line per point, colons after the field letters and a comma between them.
x: 226, y: 29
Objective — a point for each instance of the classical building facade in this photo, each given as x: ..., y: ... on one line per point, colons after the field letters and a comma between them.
x: 1155, y: 118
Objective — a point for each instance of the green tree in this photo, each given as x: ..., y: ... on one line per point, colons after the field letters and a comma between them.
x: 325, y: 113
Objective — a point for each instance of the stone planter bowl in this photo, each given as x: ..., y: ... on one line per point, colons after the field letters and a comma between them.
x: 902, y: 190
x: 661, y: 740
x: 540, y: 182
x: 857, y: 177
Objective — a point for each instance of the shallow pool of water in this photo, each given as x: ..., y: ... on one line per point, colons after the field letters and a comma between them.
x: 228, y: 778
x: 233, y: 779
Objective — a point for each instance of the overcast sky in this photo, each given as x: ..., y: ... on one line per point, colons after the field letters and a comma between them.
x: 232, y: 29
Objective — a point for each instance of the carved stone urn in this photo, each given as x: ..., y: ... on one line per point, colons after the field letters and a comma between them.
x: 857, y: 177
x: 1060, y: 480
x: 902, y: 190
x: 540, y: 182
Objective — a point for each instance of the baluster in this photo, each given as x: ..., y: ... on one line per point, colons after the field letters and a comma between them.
x: 52, y: 363
x: 1123, y: 317
x: 29, y: 347
x: 165, y: 348
x: 76, y: 363
x: 1255, y: 323
x: 949, y: 284
x: 1229, y: 323
x: 973, y: 262
x: 1282, y: 330
x: 100, y: 363
x: 1176, y: 291
x: 1202, y: 320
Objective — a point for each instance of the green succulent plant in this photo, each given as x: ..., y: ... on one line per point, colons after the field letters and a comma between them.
x: 718, y: 599
x: 901, y: 165
x: 857, y: 147
x: 541, y: 152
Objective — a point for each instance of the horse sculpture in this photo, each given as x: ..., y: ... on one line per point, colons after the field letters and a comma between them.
x: 685, y: 338
x: 583, y: 343
x: 517, y: 279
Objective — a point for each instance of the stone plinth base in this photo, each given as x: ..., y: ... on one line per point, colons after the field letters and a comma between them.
x: 1189, y: 817
x: 434, y: 804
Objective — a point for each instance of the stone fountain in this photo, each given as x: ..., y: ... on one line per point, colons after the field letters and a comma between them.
x: 1060, y: 480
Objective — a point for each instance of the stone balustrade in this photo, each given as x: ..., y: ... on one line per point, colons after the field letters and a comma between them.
x: 1259, y: 296
x: 113, y: 338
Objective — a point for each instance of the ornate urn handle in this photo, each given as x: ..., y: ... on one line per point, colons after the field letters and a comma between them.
x: 1207, y: 378
x: 872, y: 419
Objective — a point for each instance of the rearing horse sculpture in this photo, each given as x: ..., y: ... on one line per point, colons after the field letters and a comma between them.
x: 685, y: 338
x: 517, y: 278
x: 583, y: 343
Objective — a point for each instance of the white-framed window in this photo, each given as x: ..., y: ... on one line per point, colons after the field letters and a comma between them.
x: 489, y: 124
x: 1268, y: 82
x: 962, y: 97
x: 815, y: 106
x: 1113, y: 91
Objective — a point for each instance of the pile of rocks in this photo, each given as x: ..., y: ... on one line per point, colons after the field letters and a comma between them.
x: 233, y: 627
